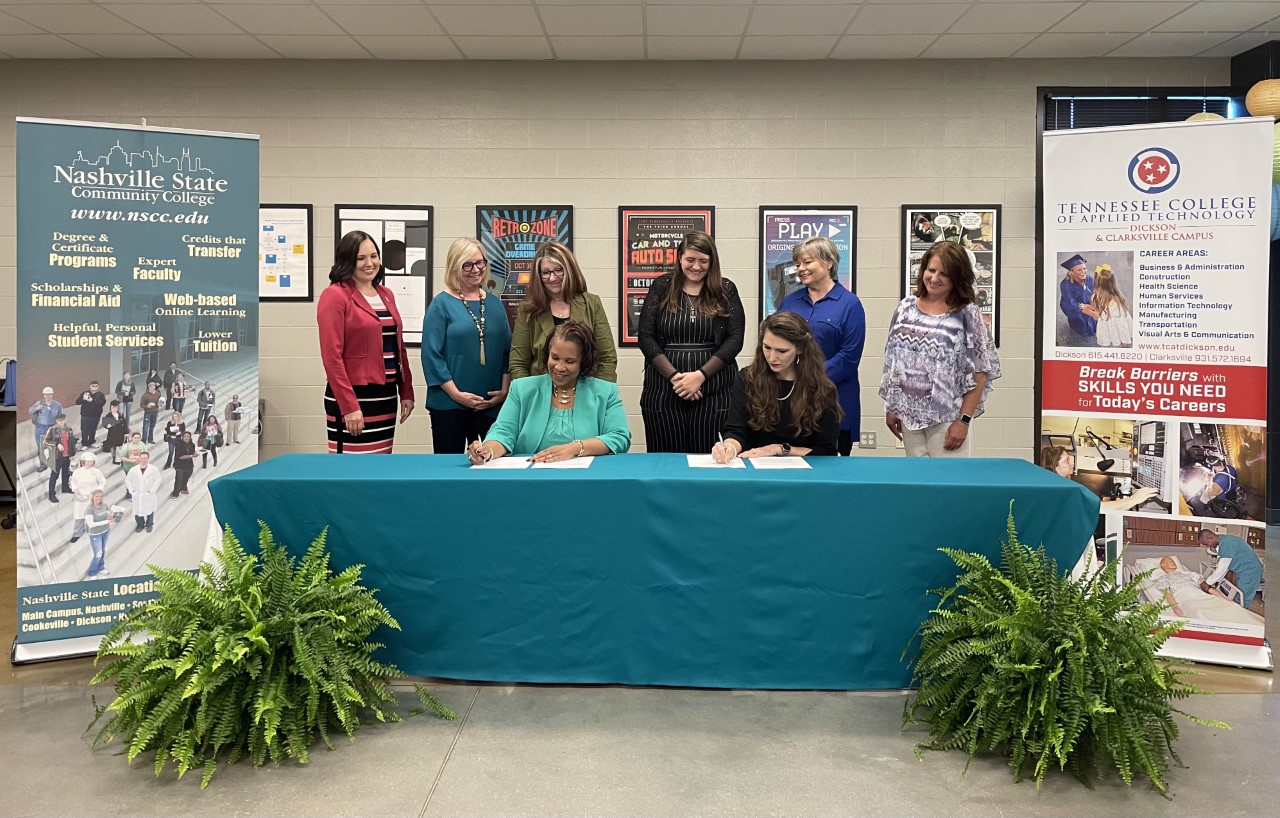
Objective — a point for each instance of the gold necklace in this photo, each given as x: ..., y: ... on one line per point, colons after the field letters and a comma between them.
x: 564, y: 396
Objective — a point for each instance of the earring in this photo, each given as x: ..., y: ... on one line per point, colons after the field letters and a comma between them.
x: 797, y: 359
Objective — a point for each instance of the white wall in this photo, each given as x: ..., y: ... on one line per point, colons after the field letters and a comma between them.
x: 597, y: 135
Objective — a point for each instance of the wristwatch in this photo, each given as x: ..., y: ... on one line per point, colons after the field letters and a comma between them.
x: 966, y: 419
x: 786, y: 449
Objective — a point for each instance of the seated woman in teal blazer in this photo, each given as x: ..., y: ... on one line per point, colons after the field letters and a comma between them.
x: 563, y: 414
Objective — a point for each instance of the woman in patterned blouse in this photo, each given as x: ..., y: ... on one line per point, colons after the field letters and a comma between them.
x: 939, y: 359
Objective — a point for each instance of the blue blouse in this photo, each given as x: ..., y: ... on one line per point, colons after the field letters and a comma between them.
x: 839, y: 325
x: 451, y: 349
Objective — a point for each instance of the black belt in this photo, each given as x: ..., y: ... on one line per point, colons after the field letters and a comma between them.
x: 690, y: 347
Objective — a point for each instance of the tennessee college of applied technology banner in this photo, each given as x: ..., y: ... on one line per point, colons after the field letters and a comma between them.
x: 137, y: 249
x: 1155, y: 359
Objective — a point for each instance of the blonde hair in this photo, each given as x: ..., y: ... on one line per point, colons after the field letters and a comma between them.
x: 1105, y: 291
x: 821, y: 248
x: 459, y: 252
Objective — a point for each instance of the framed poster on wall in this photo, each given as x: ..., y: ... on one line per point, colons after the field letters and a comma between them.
x: 647, y: 241
x: 509, y: 236
x: 284, y: 252
x: 404, y: 232
x: 977, y: 229
x: 783, y: 227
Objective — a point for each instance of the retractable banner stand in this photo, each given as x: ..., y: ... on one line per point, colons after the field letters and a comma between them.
x: 137, y: 264
x: 1154, y: 355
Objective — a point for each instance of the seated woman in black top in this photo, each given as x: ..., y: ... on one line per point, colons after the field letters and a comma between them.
x: 784, y: 403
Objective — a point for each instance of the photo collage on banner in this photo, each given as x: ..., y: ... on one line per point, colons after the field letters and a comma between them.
x: 509, y: 237
x: 284, y: 252
x: 1154, y: 370
x: 137, y: 327
x: 782, y: 228
x: 647, y: 242
x: 974, y: 227
x: 404, y: 234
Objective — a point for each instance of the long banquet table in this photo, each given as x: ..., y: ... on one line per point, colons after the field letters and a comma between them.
x: 641, y: 570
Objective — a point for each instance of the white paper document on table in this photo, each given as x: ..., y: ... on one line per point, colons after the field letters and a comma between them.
x: 572, y: 463
x: 706, y: 461
x: 504, y: 463
x: 779, y: 463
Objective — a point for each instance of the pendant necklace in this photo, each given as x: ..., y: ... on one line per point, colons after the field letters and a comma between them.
x: 564, y: 396
x: 479, y: 322
x: 693, y: 313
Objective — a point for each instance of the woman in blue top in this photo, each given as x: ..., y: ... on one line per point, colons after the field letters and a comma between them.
x: 563, y: 414
x: 838, y: 322
x: 466, y: 349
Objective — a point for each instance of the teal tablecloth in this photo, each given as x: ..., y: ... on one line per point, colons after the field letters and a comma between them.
x: 643, y: 571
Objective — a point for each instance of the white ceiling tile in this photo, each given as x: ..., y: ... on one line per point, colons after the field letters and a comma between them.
x: 123, y: 2
x: 905, y: 18
x: 1222, y: 16
x: 592, y: 21
x: 800, y: 19
x: 1068, y: 45
x: 328, y: 3
x: 284, y: 19
x: 72, y: 18
x: 882, y: 46
x: 315, y: 46
x: 1169, y: 45
x: 1239, y: 44
x: 12, y: 25
x: 1126, y: 16
x: 258, y: 2
x: 975, y: 46
x: 692, y: 48
x: 701, y: 2
x: 178, y: 19
x: 542, y: 4
x: 125, y: 46
x: 504, y: 48
x: 690, y: 21
x: 598, y: 48
x: 787, y: 47
x: 385, y: 20
x: 489, y: 21
x: 221, y: 46
x: 40, y: 46
x: 411, y: 48
x: 998, y: 18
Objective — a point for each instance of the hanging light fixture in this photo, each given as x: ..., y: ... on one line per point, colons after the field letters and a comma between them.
x: 1263, y: 99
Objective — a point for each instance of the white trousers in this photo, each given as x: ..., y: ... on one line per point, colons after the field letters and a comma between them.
x: 927, y: 442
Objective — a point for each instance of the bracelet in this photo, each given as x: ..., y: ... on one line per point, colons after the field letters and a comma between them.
x: 704, y: 375
x: 582, y: 447
x: 736, y: 450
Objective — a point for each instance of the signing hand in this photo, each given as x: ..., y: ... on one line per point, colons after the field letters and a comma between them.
x: 724, y: 451
x: 354, y: 421
x: 406, y: 409
x: 478, y: 453
x: 555, y: 454
x: 956, y: 434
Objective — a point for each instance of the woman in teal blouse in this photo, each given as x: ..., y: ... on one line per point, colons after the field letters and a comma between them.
x: 563, y: 414
x: 466, y: 348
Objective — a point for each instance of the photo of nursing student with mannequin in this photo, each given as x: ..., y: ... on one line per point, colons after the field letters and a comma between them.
x: 783, y: 405
x: 466, y: 352
x: 691, y: 330
x: 839, y: 326
x: 564, y: 413
x: 368, y: 382
x: 557, y: 293
x: 939, y: 359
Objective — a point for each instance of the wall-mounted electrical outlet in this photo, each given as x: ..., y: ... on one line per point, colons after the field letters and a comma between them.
x: 867, y: 441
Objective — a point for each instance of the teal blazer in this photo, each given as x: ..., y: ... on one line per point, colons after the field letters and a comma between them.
x: 597, y: 412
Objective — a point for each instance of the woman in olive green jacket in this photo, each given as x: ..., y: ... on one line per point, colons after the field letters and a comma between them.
x: 557, y: 293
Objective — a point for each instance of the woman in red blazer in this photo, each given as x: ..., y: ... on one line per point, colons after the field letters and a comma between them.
x: 362, y: 347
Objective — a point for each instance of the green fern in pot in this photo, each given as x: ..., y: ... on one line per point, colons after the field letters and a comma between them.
x: 262, y: 656
x: 1050, y: 671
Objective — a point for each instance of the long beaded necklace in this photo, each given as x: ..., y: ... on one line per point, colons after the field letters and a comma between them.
x: 479, y: 322
x: 564, y: 396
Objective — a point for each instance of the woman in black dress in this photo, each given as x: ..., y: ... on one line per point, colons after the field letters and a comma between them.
x: 783, y: 404
x: 691, y: 329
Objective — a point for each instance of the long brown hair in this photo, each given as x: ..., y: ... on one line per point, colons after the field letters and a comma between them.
x: 813, y: 393
x: 956, y: 266
x: 537, y: 300
x: 575, y: 332
x: 711, y: 301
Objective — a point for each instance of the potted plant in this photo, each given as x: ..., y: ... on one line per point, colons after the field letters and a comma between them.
x: 261, y: 656
x: 1049, y: 670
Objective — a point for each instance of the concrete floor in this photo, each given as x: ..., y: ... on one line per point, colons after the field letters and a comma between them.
x: 549, y: 750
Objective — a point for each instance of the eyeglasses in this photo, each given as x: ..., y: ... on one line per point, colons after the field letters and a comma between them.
x: 472, y: 266
x: 559, y: 273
